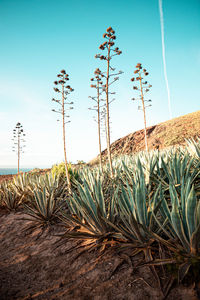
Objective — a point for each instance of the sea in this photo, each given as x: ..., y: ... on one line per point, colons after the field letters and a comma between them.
x: 5, y: 171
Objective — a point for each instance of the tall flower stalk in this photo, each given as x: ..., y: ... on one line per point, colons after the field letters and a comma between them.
x: 64, y: 90
x: 143, y: 88
x: 98, y: 85
x: 111, y: 51
x: 18, y: 139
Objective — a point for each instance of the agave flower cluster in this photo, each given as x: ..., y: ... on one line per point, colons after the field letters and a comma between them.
x: 65, y: 89
x: 110, y: 37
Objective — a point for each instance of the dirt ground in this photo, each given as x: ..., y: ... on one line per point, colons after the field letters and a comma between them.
x: 33, y: 268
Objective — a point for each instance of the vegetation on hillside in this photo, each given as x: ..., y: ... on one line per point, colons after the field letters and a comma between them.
x: 150, y: 206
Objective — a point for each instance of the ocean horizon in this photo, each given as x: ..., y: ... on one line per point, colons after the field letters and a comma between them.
x: 7, y: 171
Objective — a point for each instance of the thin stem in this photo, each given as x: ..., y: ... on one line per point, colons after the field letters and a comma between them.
x: 105, y: 124
x: 64, y: 142
x: 107, y: 107
x: 144, y: 112
x: 18, y: 152
x: 99, y: 129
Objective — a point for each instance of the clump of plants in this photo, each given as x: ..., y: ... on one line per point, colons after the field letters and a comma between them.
x: 60, y: 170
x: 8, y: 198
x: 151, y: 207
x: 43, y: 209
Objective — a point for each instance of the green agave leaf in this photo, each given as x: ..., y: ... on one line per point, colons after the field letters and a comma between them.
x: 165, y: 169
x: 99, y: 197
x: 140, y: 200
x: 33, y: 213
x: 85, y: 210
x: 126, y: 231
x: 158, y: 262
x: 154, y: 207
x: 124, y: 202
x: 190, y: 211
x: 176, y: 219
x: 136, y: 228
x: 101, y: 220
x: 164, y: 208
x: 195, y: 241
x: 38, y: 201
x: 90, y: 205
x: 198, y: 213
x: 163, y: 227
x: 112, y: 205
x: 183, y: 270
x: 77, y: 221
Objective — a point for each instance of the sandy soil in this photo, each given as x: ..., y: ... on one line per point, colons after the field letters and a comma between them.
x: 33, y: 268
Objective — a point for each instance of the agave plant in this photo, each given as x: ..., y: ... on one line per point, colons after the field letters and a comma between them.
x: 138, y: 204
x: 181, y: 227
x: 90, y: 214
x: 60, y: 171
x: 193, y: 147
x: 52, y: 184
x: 23, y: 186
x: 44, y: 208
x: 8, y: 198
x: 173, y: 169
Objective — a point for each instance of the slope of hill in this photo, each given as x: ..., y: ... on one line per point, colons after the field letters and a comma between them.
x: 169, y: 133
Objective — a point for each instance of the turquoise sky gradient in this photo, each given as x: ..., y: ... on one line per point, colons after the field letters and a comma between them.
x: 39, y: 38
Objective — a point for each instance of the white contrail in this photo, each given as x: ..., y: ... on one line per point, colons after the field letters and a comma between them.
x: 163, y: 54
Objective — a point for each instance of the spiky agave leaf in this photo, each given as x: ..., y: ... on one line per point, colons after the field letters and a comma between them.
x: 183, y: 226
x: 23, y: 185
x: 44, y: 208
x: 193, y: 147
x: 89, y: 214
x: 179, y: 166
x: 184, y: 218
x: 8, y: 198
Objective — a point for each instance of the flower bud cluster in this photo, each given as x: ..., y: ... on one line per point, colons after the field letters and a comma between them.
x: 64, y: 78
x: 97, y: 78
x: 110, y: 37
x: 139, y: 71
x: 143, y: 86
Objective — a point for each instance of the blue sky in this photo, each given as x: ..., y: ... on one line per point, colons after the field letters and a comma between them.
x: 39, y: 38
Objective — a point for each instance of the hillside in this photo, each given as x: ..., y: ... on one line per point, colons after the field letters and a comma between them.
x: 169, y: 133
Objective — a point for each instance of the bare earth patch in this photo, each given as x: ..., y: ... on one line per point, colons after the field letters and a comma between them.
x: 33, y: 268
